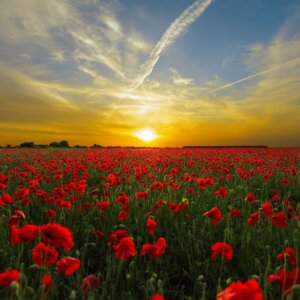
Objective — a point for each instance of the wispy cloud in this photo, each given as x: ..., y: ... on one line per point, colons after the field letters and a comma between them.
x: 228, y: 85
x: 174, y: 31
x: 178, y: 79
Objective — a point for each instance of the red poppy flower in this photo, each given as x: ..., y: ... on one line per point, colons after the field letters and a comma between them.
x: 215, y: 214
x: 50, y: 213
x: 223, y: 249
x: 156, y: 185
x: 46, y: 280
x: 6, y: 199
x: 123, y: 215
x: 99, y: 233
x: 202, y: 183
x: 124, y: 249
x: 21, y: 216
x: 290, y: 253
x: 158, y: 297
x: 139, y: 195
x: 209, y: 181
x: 187, y: 216
x: 32, y: 182
x: 158, y: 204
x: 283, y: 182
x: 151, y: 225
x: 13, y: 220
x: 251, y: 198
x: 7, y: 277
x: 222, y: 192
x: 89, y: 282
x: 279, y: 219
x: 253, y: 219
x: 57, y: 235
x: 123, y: 198
x: 249, y: 290
x: 68, y: 265
x: 2, y: 187
x: 267, y: 209
x: 235, y: 214
x: 156, y: 250
x: 22, y: 192
x: 103, y: 205
x: 285, y: 279
x: 25, y: 234
x: 42, y: 255
x: 117, y: 236
x: 177, y: 207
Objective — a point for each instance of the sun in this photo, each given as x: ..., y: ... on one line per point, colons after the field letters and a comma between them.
x: 146, y: 134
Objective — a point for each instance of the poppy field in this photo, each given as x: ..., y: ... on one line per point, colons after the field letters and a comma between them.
x: 150, y: 224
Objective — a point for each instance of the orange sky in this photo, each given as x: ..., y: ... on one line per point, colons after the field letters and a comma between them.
x: 87, y: 73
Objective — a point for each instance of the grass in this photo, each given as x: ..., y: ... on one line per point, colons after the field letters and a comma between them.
x: 186, y: 270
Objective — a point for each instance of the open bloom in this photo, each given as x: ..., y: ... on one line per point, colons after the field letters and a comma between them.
x: 214, y: 214
x: 7, y: 277
x: 68, y: 265
x: 223, y: 249
x: 25, y: 234
x: 279, y: 219
x: 250, y: 198
x: 89, y: 282
x: 46, y: 280
x: 124, y: 249
x: 151, y: 225
x: 285, y: 279
x: 42, y: 255
x: 267, y: 209
x: 57, y: 235
x: 117, y: 236
x: 235, y: 214
x: 222, y: 192
x: 156, y: 250
x: 249, y: 290
x: 158, y: 297
x: 123, y: 215
x: 253, y: 219
x: 290, y: 253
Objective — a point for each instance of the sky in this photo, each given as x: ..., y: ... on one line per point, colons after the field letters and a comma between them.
x: 194, y: 72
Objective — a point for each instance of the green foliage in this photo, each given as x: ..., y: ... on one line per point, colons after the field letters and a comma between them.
x: 186, y: 271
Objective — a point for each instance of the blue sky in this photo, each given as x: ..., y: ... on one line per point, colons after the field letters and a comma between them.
x: 102, y: 70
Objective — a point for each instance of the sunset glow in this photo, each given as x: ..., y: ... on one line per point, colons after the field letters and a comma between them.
x: 97, y: 72
x: 146, y: 135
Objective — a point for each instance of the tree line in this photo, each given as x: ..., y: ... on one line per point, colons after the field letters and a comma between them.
x: 61, y: 144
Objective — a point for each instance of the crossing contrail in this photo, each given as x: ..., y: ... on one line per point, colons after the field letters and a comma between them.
x: 174, y: 31
x: 225, y: 86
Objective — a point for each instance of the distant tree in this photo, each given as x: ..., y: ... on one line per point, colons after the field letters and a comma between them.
x: 42, y: 146
x: 79, y: 146
x: 64, y: 144
x: 54, y: 144
x: 27, y: 145
x: 8, y: 146
x: 96, y: 146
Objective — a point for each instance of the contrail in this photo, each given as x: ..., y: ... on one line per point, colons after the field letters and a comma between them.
x: 251, y: 76
x: 174, y: 31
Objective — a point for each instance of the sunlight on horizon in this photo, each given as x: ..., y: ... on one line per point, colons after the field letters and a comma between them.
x: 146, y: 134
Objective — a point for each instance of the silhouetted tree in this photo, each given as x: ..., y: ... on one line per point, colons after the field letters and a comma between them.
x: 27, y: 145
x: 54, y: 144
x: 64, y: 144
x: 96, y: 146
